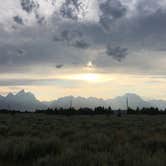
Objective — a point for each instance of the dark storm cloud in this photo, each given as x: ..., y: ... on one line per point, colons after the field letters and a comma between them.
x: 33, y: 51
x: 111, y: 10
x: 29, y: 5
x: 67, y: 35
x: 21, y: 52
x: 143, y: 27
x: 73, y: 38
x: 117, y: 53
x: 40, y: 19
x: 57, y: 38
x: 68, y: 12
x: 18, y: 20
x: 152, y: 24
x: 70, y: 9
x: 146, y: 24
x: 81, y: 44
x: 147, y: 7
x: 59, y: 66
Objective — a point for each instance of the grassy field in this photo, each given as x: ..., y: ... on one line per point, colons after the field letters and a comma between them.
x: 49, y: 140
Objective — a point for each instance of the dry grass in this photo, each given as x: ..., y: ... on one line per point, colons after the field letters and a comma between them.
x: 48, y: 140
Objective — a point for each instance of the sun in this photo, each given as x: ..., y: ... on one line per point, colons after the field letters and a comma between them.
x: 89, y: 64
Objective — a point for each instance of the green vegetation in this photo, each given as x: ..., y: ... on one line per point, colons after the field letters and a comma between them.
x: 85, y: 140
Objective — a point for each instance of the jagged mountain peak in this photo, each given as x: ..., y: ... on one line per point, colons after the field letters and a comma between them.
x: 9, y: 95
x: 27, y: 101
x: 22, y: 92
x: 21, y: 101
x: 132, y: 95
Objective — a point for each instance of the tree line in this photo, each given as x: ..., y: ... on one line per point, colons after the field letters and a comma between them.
x: 90, y: 111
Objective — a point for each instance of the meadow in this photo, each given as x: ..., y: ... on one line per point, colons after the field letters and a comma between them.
x: 82, y: 140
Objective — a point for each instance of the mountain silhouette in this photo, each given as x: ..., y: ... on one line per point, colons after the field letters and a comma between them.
x: 134, y: 101
x: 119, y: 102
x: 26, y: 101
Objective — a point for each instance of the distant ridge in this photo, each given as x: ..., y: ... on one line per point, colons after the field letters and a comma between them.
x: 23, y: 101
x: 26, y: 101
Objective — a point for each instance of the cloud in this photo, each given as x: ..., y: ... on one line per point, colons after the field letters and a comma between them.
x: 82, y: 35
x: 80, y: 44
x: 111, y: 10
x: 73, y: 38
x: 59, y: 66
x: 21, y: 52
x: 40, y: 19
x: 69, y: 35
x: 38, y: 82
x: 18, y: 20
x: 152, y: 24
x: 29, y: 5
x: 71, y: 9
x: 117, y: 53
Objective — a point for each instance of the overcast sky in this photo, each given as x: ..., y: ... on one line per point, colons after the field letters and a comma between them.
x: 101, y: 48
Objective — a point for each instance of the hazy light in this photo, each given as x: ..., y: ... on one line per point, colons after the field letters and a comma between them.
x: 89, y: 77
x: 89, y: 64
x: 89, y: 67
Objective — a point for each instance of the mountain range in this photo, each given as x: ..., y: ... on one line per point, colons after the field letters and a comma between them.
x: 26, y: 101
x: 23, y: 101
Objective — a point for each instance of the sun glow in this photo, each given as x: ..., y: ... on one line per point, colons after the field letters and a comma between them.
x: 89, y: 64
x: 89, y: 67
x: 90, y: 77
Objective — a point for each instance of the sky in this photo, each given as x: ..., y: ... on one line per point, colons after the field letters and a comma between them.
x: 100, y: 48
